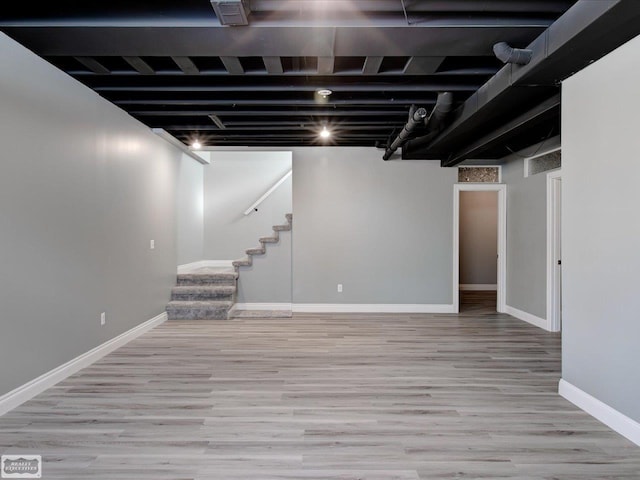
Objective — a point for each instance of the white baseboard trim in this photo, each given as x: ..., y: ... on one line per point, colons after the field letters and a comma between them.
x: 262, y: 306
x: 527, y: 317
x: 371, y: 308
x: 478, y: 286
x: 190, y: 267
x: 611, y: 417
x: 18, y: 396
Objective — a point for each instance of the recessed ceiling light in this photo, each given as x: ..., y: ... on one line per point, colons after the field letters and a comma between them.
x: 325, y: 133
x: 324, y: 92
x: 196, y: 145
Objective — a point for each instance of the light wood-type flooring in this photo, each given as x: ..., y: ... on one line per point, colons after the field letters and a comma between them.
x: 375, y: 397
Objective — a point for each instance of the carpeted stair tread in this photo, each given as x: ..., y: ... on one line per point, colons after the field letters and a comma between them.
x: 282, y: 228
x: 256, y: 251
x: 203, y: 292
x: 243, y: 262
x: 198, y: 310
x: 269, y: 240
x: 222, y: 278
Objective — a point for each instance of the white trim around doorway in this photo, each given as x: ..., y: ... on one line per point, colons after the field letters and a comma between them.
x: 502, y: 239
x: 553, y: 316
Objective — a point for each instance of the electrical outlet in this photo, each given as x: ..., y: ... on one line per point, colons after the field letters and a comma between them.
x: 152, y: 244
x: 103, y: 318
x: 339, y: 288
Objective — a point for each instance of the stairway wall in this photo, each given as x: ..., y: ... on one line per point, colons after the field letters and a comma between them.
x: 232, y: 182
x: 268, y: 280
x: 83, y: 189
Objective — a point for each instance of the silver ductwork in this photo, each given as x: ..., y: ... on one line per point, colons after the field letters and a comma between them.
x: 507, y: 54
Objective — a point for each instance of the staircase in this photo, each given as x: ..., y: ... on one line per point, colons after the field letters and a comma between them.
x: 205, y: 294
x: 264, y: 241
x: 209, y: 293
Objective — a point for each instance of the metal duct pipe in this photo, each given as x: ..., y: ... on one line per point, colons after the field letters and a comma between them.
x: 416, y: 117
x: 442, y: 108
x: 507, y: 54
x: 435, y: 122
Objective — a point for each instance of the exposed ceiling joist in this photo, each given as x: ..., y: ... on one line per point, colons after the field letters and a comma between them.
x: 588, y: 30
x: 171, y: 64
x: 273, y: 65
x: 93, y: 65
x: 543, y: 112
x: 186, y: 65
x: 140, y: 65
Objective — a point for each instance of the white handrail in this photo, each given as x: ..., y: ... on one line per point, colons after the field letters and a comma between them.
x: 254, y: 207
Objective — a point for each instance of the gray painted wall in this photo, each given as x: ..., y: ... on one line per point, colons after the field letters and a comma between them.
x: 478, y: 238
x: 190, y: 211
x: 232, y: 182
x: 601, y: 232
x: 83, y: 190
x: 526, y: 238
x: 382, y: 229
x: 268, y: 280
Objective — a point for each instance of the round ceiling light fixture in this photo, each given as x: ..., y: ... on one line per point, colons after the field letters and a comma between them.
x: 324, y: 92
x: 325, y: 133
x: 196, y: 145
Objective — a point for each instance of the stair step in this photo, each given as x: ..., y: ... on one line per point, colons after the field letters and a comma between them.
x: 264, y: 240
x: 282, y: 228
x: 203, y: 293
x: 289, y: 217
x: 220, y: 278
x: 256, y: 251
x: 243, y: 262
x: 211, y: 310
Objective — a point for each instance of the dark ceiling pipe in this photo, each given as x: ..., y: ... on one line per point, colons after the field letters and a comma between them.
x: 435, y: 122
x: 507, y: 54
x: 442, y: 108
x: 416, y: 117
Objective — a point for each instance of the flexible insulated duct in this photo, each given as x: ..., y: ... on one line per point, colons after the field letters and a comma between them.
x: 507, y: 54
x: 443, y: 106
x: 416, y: 117
x: 436, y: 121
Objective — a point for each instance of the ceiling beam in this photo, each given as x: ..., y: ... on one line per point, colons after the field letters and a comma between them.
x: 268, y: 126
x: 93, y: 65
x: 310, y: 86
x: 273, y: 65
x: 371, y: 39
x: 360, y: 6
x: 278, y: 101
x: 422, y: 65
x: 140, y: 65
x: 402, y: 112
x: 544, y: 111
x: 372, y: 65
x: 326, y: 65
x: 232, y: 65
x: 186, y: 65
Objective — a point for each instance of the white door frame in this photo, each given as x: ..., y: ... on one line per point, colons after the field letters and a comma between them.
x: 554, y: 201
x: 502, y: 238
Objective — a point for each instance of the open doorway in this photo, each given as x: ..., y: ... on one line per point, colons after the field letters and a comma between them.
x: 478, y: 268
x: 479, y: 247
x: 554, y: 251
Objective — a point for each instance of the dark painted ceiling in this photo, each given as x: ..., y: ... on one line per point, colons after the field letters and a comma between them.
x: 172, y: 65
